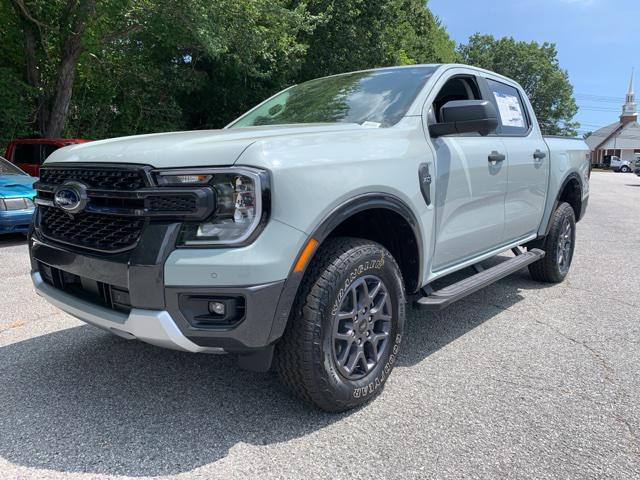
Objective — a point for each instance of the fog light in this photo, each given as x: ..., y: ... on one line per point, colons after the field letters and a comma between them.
x: 217, y: 308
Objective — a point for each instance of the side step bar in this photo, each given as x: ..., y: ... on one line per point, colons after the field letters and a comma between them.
x: 445, y: 297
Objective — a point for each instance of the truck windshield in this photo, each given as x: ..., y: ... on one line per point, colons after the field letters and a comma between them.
x: 7, y: 168
x: 378, y: 98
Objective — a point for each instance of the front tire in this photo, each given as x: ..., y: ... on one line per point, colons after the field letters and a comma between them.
x: 345, y: 330
x: 558, y: 245
x: 625, y: 169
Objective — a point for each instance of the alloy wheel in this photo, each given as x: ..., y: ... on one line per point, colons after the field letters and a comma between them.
x: 361, y: 327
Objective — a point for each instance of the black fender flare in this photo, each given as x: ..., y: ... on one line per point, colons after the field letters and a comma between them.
x: 342, y: 212
x: 565, y: 182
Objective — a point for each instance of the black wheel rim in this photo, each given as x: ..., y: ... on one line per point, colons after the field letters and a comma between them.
x: 565, y: 243
x: 361, y: 327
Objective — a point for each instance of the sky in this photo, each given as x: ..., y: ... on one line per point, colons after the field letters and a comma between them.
x: 598, y: 42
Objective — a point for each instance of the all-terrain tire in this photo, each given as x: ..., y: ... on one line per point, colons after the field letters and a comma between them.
x: 306, y: 358
x: 554, y: 267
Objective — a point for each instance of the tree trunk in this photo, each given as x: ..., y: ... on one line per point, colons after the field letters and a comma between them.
x: 62, y: 97
x: 83, y: 13
x: 31, y: 38
x: 51, y: 121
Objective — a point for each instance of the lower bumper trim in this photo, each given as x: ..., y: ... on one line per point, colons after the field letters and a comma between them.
x: 155, y: 327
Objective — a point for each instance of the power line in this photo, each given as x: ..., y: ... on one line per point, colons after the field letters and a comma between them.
x: 599, y: 109
x: 597, y: 95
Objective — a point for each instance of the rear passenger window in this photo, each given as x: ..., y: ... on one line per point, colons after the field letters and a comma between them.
x: 511, y: 109
x: 27, y: 153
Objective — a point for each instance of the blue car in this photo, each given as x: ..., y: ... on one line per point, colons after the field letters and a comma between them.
x: 16, y: 198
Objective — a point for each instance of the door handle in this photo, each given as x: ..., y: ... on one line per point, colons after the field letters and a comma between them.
x: 496, y: 157
x: 539, y: 155
x: 425, y: 182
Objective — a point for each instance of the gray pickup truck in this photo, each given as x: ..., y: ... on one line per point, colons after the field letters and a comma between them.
x: 293, y: 236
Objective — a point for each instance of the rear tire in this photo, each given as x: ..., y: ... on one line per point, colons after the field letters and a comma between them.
x: 346, y: 326
x: 558, y: 245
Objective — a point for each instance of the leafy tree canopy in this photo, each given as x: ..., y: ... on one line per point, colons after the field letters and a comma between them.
x: 535, y: 66
x: 96, y: 69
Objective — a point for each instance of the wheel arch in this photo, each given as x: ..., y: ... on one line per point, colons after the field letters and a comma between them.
x: 346, y: 220
x: 570, y: 191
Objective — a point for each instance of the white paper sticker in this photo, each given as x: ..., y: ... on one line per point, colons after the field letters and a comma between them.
x: 368, y: 124
x: 510, y: 111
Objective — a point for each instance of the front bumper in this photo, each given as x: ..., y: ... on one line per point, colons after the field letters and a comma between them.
x: 151, y: 326
x: 15, y: 221
x: 92, y: 287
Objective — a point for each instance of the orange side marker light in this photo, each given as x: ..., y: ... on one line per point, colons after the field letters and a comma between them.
x: 305, y: 256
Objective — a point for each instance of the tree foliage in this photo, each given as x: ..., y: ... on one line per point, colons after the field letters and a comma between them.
x: 102, y: 68
x: 358, y: 34
x: 536, y: 67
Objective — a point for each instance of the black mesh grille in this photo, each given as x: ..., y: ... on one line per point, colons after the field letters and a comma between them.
x: 176, y: 203
x: 101, y: 232
x: 102, y: 178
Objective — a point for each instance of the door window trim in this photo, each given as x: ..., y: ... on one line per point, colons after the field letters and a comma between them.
x: 486, y: 91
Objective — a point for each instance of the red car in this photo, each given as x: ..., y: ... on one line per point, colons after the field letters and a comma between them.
x: 29, y: 153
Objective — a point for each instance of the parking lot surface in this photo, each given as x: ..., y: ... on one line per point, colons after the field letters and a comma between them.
x: 520, y: 380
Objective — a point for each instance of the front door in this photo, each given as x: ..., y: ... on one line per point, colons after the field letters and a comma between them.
x: 470, y: 185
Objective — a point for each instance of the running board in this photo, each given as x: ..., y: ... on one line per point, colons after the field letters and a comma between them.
x: 443, y: 298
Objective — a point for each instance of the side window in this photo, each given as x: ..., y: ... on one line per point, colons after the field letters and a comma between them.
x: 26, y: 153
x: 511, y: 109
x: 48, y: 150
x: 457, y: 88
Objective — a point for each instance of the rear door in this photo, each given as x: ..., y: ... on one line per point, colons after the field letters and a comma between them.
x: 470, y: 187
x: 528, y: 167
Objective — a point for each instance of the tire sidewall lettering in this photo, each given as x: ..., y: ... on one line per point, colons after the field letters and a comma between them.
x: 379, y: 381
x: 355, y: 273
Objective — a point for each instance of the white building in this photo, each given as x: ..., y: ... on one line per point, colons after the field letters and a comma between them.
x: 622, y: 138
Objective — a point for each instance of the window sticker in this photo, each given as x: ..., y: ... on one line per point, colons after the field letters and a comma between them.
x: 510, y: 110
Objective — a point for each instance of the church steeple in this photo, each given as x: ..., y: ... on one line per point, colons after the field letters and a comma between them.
x: 629, y: 109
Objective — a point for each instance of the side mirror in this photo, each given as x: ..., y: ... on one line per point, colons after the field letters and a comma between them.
x: 466, y: 116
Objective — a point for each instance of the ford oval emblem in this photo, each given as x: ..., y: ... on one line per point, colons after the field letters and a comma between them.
x: 71, y: 197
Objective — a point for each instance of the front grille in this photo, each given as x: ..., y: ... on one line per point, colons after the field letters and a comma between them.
x: 109, y: 296
x: 89, y: 230
x: 116, y: 203
x: 175, y: 203
x: 95, y: 177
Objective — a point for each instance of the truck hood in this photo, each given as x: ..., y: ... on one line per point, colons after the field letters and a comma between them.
x: 185, y: 149
x: 14, y: 186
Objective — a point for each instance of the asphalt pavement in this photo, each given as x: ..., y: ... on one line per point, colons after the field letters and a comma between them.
x: 520, y: 380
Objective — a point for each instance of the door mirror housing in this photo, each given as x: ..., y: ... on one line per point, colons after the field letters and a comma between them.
x: 466, y: 116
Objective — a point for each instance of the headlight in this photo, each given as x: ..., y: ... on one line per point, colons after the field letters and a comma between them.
x: 19, y: 203
x: 242, y: 204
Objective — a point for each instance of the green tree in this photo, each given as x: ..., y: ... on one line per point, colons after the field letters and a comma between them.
x: 360, y: 34
x: 241, y: 52
x: 16, y: 96
x: 114, y: 67
x: 536, y: 67
x: 97, y: 69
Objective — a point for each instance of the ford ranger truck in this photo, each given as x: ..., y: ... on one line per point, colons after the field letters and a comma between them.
x: 294, y: 236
